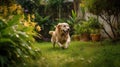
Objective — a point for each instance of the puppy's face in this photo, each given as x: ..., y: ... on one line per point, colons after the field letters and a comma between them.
x: 63, y: 27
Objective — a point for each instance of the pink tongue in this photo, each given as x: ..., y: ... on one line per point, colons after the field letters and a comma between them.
x: 66, y: 32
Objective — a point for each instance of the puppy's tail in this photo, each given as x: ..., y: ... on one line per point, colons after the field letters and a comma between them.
x: 51, y: 32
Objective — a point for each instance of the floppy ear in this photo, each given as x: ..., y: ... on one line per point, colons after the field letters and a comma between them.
x: 58, y: 26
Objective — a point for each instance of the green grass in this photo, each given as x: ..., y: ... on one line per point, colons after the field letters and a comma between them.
x: 79, y: 54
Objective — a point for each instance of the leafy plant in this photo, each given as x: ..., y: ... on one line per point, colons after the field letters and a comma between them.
x: 73, y: 21
x: 30, y: 6
x: 45, y: 23
x: 16, y: 43
x: 82, y: 27
x: 94, y: 25
x: 55, y: 5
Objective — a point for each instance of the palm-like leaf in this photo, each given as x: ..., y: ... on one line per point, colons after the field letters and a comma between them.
x: 16, y: 42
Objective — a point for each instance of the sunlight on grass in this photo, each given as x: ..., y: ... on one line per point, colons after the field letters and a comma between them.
x: 79, y: 54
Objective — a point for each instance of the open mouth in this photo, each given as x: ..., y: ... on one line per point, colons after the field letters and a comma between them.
x: 65, y: 31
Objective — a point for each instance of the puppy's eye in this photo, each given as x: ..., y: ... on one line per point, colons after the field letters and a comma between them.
x: 64, y: 26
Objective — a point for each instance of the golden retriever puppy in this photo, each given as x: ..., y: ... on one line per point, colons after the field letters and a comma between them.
x: 61, y: 35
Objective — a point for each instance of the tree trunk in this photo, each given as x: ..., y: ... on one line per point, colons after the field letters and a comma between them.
x: 59, y: 11
x: 76, y: 5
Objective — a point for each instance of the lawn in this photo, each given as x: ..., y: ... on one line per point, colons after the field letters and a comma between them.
x: 79, y: 54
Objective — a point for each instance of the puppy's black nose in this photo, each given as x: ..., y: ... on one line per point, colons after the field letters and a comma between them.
x: 68, y: 29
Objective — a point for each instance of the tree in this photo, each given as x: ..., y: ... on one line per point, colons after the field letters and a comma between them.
x: 109, y: 11
x: 76, y: 5
x: 30, y: 6
x: 56, y: 5
x: 7, y: 2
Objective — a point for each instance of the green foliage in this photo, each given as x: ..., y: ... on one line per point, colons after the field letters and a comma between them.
x: 45, y: 23
x: 16, y: 43
x: 55, y: 3
x: 74, y: 16
x: 94, y: 25
x: 98, y: 7
x: 7, y: 2
x: 82, y: 27
x: 56, y: 6
x: 30, y: 6
x: 73, y: 21
x: 41, y: 19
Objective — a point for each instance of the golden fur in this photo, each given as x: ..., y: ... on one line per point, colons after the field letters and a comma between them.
x: 61, y: 35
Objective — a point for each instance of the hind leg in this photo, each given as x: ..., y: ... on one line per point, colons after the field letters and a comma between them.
x: 53, y: 44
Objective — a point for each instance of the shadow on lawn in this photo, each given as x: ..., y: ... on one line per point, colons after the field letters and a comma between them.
x: 57, y: 49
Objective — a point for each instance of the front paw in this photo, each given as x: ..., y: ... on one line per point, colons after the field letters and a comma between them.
x: 64, y: 47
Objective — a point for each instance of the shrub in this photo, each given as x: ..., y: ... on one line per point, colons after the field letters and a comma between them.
x: 46, y: 25
x: 94, y: 25
x: 16, y: 39
x: 82, y: 27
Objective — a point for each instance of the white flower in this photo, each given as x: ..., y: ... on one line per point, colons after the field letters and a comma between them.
x: 89, y: 61
x: 17, y: 35
x: 82, y: 58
